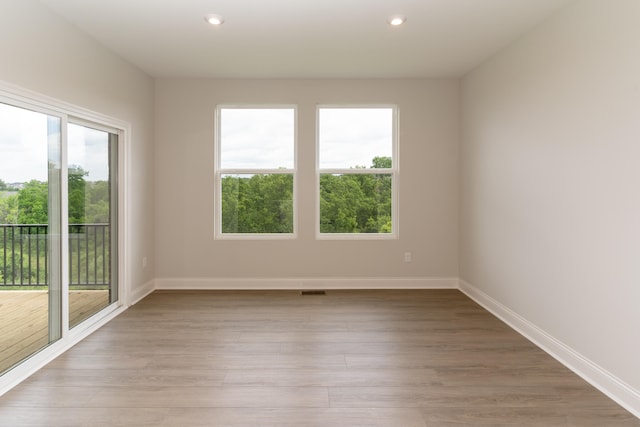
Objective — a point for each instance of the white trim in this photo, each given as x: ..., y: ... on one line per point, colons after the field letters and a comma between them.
x: 24, y: 98
x: 609, y: 384
x: 616, y: 389
x: 57, y: 107
x: 64, y: 309
x: 37, y: 361
x: 394, y: 171
x: 356, y: 236
x: 219, y: 171
x: 248, y: 283
x: 140, y: 292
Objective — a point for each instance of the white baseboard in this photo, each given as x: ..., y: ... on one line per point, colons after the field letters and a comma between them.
x: 211, y: 283
x: 609, y: 384
x: 616, y: 389
x: 141, y: 291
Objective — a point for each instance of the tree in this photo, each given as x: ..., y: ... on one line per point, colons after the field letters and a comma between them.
x: 33, y: 202
x: 349, y: 203
x: 9, y: 209
x: 89, y: 202
x: 340, y: 196
x: 77, y: 191
x: 261, y: 203
x: 381, y: 162
x: 97, y: 202
x: 357, y: 203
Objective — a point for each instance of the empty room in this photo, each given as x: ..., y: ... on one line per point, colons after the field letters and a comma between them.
x: 319, y: 213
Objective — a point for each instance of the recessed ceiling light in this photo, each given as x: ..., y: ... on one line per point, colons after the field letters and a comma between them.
x: 214, y: 19
x: 396, y: 20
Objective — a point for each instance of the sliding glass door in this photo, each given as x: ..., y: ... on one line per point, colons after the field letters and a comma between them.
x: 92, y: 216
x: 30, y: 232
x: 58, y: 226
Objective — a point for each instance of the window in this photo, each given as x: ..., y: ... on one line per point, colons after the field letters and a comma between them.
x: 59, y: 262
x: 255, y: 171
x: 357, y: 172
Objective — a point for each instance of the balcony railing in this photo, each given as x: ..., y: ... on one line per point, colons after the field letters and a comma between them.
x: 24, y: 249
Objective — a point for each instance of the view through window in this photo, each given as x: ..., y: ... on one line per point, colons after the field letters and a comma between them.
x: 255, y: 171
x: 38, y: 301
x: 357, y: 171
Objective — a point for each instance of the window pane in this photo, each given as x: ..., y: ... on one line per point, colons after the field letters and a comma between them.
x: 30, y: 228
x: 260, y: 138
x: 353, y: 137
x: 355, y: 203
x: 257, y: 203
x: 92, y: 158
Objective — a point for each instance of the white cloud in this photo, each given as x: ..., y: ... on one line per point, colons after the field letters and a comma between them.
x: 24, y: 147
x: 257, y: 138
x: 89, y: 149
x: 263, y: 138
x: 352, y: 137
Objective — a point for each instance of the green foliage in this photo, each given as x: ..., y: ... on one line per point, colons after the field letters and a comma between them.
x: 33, y: 201
x: 381, y: 162
x: 24, y: 249
x: 357, y: 203
x: 77, y: 189
x: 349, y: 203
x: 24, y: 253
x: 88, y: 202
x: 9, y: 210
x: 257, y: 204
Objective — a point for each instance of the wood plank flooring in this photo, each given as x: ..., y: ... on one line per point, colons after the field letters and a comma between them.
x: 276, y: 358
x: 24, y: 321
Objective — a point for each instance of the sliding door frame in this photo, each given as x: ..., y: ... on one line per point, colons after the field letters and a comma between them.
x: 20, y: 97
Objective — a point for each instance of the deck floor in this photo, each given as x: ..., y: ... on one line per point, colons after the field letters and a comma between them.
x: 24, y: 320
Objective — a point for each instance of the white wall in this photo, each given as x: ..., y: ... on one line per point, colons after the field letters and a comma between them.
x: 184, y: 183
x: 42, y: 53
x: 550, y: 194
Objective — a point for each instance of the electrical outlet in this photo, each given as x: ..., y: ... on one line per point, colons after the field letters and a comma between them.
x: 407, y: 257
x: 144, y: 262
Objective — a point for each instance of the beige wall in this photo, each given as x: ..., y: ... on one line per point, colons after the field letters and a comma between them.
x: 548, y: 190
x: 184, y: 182
x: 550, y: 200
x: 42, y: 53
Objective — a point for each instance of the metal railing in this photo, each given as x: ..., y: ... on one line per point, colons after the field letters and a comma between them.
x: 24, y: 255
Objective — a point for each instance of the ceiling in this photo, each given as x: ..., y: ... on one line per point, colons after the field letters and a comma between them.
x: 305, y: 38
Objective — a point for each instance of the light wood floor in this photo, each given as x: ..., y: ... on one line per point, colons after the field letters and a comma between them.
x: 24, y: 321
x: 350, y: 358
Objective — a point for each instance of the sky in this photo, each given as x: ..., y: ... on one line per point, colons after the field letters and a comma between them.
x: 264, y: 138
x: 251, y: 139
x: 24, y: 147
x: 257, y: 138
x: 352, y: 137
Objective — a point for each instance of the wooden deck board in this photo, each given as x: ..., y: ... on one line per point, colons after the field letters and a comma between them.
x: 24, y: 320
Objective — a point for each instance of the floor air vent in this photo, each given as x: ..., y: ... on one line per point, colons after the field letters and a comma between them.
x: 313, y: 293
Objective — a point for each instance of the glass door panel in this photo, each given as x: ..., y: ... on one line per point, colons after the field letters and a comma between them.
x: 92, y: 212
x: 30, y: 233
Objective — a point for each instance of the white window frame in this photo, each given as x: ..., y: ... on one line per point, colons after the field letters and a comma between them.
x: 219, y: 171
x: 394, y: 171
